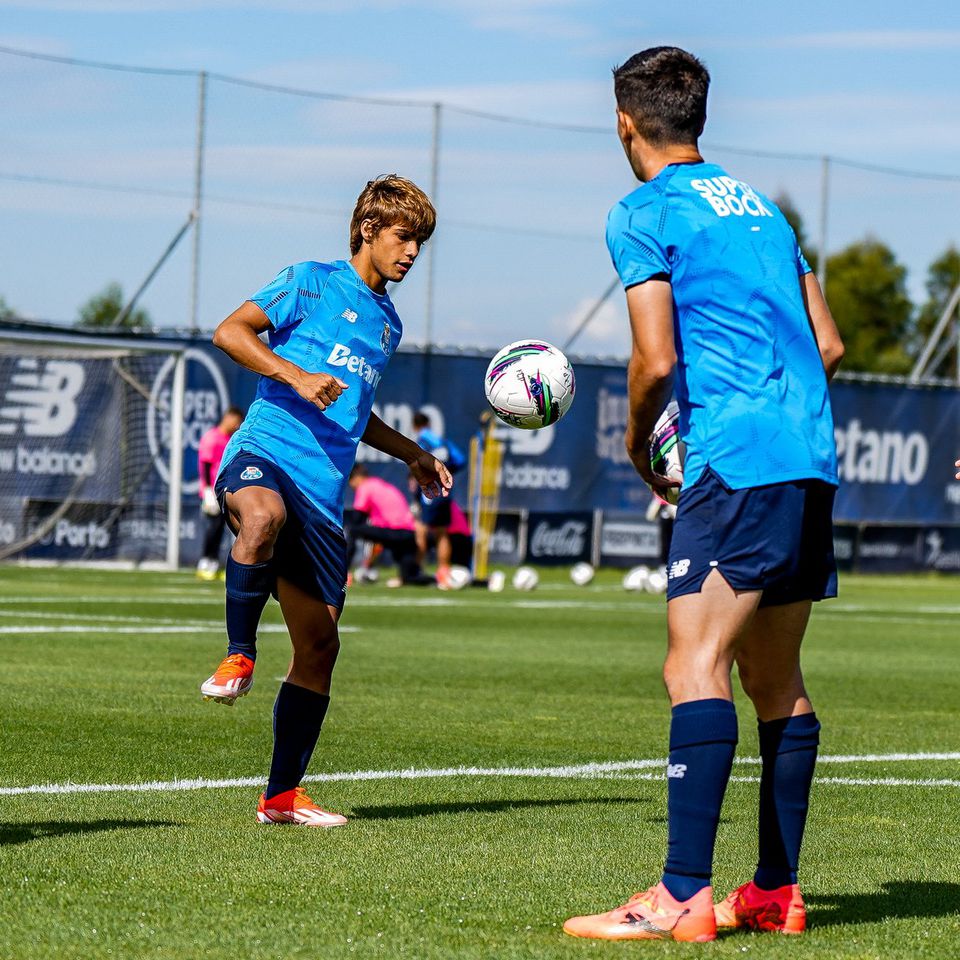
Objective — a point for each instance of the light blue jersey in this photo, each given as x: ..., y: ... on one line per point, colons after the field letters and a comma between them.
x: 324, y: 319
x: 750, y: 383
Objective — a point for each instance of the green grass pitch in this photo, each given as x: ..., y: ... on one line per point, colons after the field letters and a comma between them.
x: 99, y: 685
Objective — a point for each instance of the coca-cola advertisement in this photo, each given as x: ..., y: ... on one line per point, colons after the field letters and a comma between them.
x: 559, y: 538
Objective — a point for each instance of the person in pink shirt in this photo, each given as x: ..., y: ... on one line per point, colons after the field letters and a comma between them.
x: 386, y: 519
x: 209, y: 455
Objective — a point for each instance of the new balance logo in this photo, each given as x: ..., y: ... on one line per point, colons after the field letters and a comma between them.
x: 350, y: 316
x: 676, y: 771
x: 43, y: 399
x: 679, y: 568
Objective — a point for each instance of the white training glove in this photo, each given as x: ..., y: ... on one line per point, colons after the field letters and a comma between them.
x: 210, y: 506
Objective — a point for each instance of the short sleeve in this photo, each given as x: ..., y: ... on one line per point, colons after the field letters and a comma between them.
x: 636, y: 249
x: 279, y: 300
x: 802, y: 265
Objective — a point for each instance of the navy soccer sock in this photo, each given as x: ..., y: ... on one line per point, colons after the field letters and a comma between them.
x: 248, y: 589
x: 297, y: 717
x: 788, y: 749
x: 703, y: 738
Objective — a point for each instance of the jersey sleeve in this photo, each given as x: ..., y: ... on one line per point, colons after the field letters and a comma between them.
x: 802, y: 265
x: 636, y: 249
x: 279, y: 300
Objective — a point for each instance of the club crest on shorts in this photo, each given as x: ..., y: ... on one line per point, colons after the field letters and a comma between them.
x: 385, y: 338
x: 251, y: 473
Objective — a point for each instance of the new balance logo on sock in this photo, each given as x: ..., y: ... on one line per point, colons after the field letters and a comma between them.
x: 676, y: 770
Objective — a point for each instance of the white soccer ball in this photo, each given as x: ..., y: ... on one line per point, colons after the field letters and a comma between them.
x: 529, y: 384
x: 656, y: 582
x: 667, y: 452
x: 581, y: 573
x: 636, y: 579
x: 496, y: 581
x: 525, y: 578
x: 458, y: 577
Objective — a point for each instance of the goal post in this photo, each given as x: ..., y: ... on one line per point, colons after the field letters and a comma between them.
x: 91, y: 448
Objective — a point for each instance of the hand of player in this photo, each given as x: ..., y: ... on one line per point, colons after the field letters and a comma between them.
x: 319, y: 388
x: 209, y: 504
x: 434, y: 478
x: 640, y: 458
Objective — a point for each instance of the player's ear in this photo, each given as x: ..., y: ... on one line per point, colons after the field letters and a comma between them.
x: 626, y: 128
x: 368, y: 230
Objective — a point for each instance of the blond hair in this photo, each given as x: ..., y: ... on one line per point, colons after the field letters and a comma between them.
x: 390, y: 200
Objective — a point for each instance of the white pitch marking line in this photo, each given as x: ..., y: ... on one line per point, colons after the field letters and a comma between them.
x: 108, y: 629
x: 620, y: 769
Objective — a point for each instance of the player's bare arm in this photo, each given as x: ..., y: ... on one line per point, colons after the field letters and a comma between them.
x: 650, y: 371
x: 824, y: 327
x: 432, y: 475
x: 239, y: 338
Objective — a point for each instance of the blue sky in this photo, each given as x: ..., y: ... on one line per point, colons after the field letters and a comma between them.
x: 520, y: 248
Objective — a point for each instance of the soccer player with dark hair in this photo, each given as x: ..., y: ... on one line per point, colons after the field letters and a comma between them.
x: 434, y: 515
x: 724, y: 309
x: 331, y: 330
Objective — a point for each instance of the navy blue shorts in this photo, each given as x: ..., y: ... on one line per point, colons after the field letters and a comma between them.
x: 777, y: 538
x: 436, y: 512
x: 310, y: 551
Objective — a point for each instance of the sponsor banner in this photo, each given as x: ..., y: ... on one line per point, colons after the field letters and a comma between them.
x: 890, y: 549
x: 84, y: 531
x: 626, y: 541
x: 91, y: 530
x: 559, y: 539
x: 845, y: 540
x: 71, y: 427
x: 895, y: 448
x: 505, y: 543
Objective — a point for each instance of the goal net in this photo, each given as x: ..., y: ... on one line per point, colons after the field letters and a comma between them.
x: 91, y: 441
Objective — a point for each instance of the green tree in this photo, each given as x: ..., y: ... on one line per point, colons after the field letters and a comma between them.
x: 793, y: 217
x: 867, y: 293
x: 7, y: 312
x: 943, y: 277
x: 103, y: 308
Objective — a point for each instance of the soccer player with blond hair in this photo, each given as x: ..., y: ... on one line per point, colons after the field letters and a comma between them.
x: 331, y: 329
x: 723, y: 308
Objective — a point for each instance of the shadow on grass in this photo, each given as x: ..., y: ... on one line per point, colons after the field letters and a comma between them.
x: 12, y: 833
x: 898, y: 899
x: 478, y: 806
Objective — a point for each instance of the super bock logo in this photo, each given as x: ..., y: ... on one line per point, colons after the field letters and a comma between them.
x: 385, y: 338
x: 204, y: 400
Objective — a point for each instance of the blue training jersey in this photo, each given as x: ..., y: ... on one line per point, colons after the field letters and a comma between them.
x: 750, y: 384
x: 325, y: 319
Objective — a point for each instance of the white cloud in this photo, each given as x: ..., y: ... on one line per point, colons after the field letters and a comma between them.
x: 869, y: 39
x: 607, y: 334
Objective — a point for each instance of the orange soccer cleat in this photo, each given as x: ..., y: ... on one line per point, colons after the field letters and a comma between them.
x: 652, y: 915
x: 751, y: 908
x: 232, y: 680
x: 294, y: 806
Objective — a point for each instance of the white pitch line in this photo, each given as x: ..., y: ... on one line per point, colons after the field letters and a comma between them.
x: 618, y: 769
x: 867, y: 613
x: 107, y: 629
x: 835, y: 781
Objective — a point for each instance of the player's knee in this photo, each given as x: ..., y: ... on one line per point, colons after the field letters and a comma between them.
x: 261, y: 526
x: 319, y: 653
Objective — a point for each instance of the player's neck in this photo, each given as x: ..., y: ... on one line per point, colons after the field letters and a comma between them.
x: 649, y: 162
x: 368, y: 273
